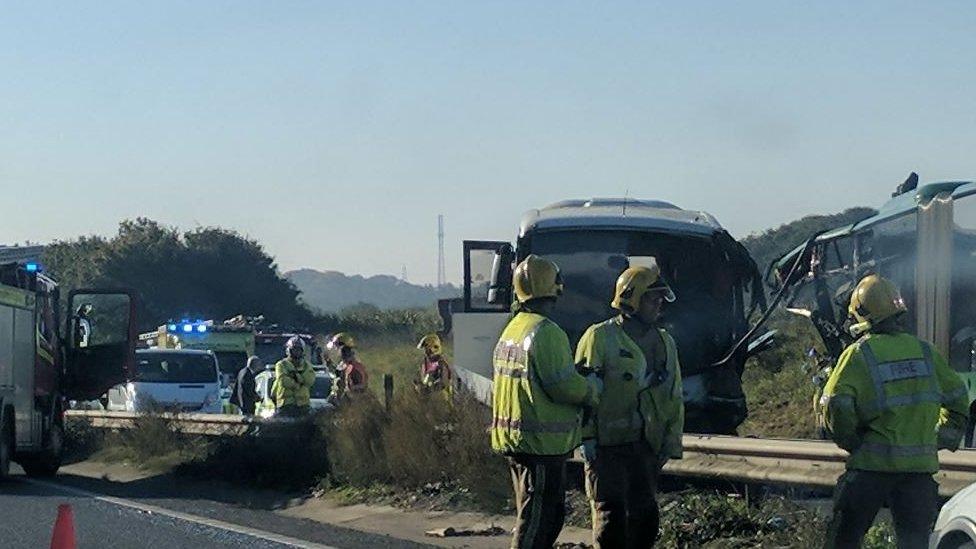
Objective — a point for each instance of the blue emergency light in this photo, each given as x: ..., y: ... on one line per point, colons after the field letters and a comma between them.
x: 32, y: 267
x: 202, y: 328
x: 188, y: 328
x: 172, y: 327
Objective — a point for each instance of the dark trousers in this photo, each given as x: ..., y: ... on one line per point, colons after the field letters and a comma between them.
x: 292, y: 410
x: 540, y: 500
x: 912, y: 497
x: 622, y: 486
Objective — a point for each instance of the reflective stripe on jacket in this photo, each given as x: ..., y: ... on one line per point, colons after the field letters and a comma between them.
x: 293, y: 382
x: 638, y: 402
x: 892, y: 402
x: 537, y: 393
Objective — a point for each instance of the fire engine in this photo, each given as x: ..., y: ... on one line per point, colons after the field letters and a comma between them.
x: 44, y: 363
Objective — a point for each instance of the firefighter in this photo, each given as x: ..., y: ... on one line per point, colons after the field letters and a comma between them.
x: 83, y: 327
x: 892, y: 402
x: 435, y: 372
x: 637, y: 426
x: 351, y: 372
x: 537, y: 399
x: 293, y: 382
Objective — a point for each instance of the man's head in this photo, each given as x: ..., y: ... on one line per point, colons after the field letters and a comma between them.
x: 295, y: 348
x: 255, y: 364
x: 537, y: 283
x: 640, y: 293
x: 875, y: 301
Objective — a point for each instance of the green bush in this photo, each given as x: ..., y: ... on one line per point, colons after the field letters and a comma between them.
x: 708, y: 519
x: 780, y: 404
x: 778, y: 383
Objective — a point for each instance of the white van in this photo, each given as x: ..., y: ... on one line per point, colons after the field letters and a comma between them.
x: 176, y: 380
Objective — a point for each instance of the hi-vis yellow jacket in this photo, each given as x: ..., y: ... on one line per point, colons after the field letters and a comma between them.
x: 537, y: 395
x: 638, y: 401
x: 893, y: 402
x: 293, y: 382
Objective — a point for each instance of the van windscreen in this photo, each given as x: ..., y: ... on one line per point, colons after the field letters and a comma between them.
x: 322, y: 387
x: 176, y: 368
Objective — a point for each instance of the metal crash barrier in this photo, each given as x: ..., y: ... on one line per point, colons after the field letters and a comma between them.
x: 215, y: 425
x: 788, y: 462
x: 793, y: 462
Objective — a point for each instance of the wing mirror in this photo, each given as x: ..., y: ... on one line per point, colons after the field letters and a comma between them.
x: 500, y: 288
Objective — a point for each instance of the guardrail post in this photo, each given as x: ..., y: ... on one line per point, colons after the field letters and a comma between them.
x: 387, y: 391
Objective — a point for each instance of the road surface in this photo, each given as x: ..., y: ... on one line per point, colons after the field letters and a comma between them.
x: 123, y: 520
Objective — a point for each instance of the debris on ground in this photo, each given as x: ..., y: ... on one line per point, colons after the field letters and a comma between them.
x: 452, y: 532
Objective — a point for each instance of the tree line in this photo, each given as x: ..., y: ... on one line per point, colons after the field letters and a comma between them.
x: 202, y: 273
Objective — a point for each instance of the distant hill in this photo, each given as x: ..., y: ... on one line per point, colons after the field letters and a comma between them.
x: 331, y: 291
x: 771, y: 244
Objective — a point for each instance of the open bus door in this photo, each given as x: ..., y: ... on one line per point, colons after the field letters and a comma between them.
x: 100, y: 340
x: 485, y: 309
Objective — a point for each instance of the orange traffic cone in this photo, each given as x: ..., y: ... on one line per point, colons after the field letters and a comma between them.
x: 64, y: 529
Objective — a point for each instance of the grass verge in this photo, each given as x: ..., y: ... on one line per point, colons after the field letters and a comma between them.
x: 780, y: 404
x: 426, y: 452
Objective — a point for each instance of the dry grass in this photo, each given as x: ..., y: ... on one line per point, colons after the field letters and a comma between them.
x: 153, y: 443
x: 293, y: 461
x: 423, y: 440
x: 355, y: 450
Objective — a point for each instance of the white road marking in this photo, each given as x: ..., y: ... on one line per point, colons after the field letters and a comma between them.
x: 212, y: 523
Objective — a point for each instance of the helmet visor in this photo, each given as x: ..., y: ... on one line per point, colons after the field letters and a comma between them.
x: 663, y: 287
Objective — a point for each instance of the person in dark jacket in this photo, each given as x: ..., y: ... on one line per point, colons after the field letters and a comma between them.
x: 245, y: 390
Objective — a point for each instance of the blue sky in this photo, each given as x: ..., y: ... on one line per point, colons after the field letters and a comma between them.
x: 335, y: 133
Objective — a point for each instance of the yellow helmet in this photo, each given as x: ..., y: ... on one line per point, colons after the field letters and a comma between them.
x: 874, y: 299
x: 634, y: 282
x: 536, y: 278
x: 430, y: 343
x: 342, y: 339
